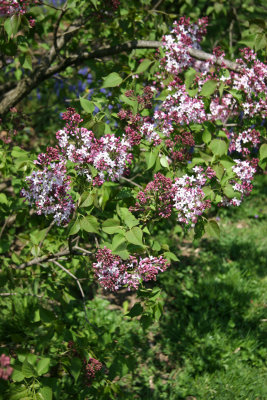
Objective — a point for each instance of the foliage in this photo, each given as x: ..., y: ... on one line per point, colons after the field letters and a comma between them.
x: 157, y: 139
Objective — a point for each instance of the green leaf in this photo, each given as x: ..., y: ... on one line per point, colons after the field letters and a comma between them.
x: 135, y: 236
x: 94, y: 2
x: 90, y: 224
x: 189, y: 77
x: 145, y: 64
x: 111, y: 226
x: 136, y: 310
x: 212, y: 229
x: 87, y: 105
x: 118, y: 243
x: 229, y: 191
x: 170, y: 256
x: 75, y: 368
x: 75, y: 228
x: 17, y: 374
x: 219, y: 169
x: 164, y: 162
x: 206, y: 136
x: 27, y: 62
x: 208, y: 88
x: 3, y: 198
x: 87, y: 199
x: 11, y: 25
x: 152, y: 158
x: 127, y: 217
x: 45, y: 393
x: 43, y: 366
x: 218, y: 147
x: 112, y: 80
x: 263, y: 151
x: 27, y: 369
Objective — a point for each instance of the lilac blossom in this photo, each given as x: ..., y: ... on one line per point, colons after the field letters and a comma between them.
x: 113, y: 273
x: 5, y: 368
x: 49, y: 192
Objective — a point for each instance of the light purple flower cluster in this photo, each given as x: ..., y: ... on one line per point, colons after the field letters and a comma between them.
x: 5, y: 368
x: 251, y: 81
x: 112, y: 272
x: 242, y: 142
x: 98, y: 160
x: 48, y: 192
x: 179, y: 108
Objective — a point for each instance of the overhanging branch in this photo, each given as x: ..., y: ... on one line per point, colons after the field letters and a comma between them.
x: 43, y: 72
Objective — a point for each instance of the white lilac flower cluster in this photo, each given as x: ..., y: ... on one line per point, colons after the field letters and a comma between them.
x: 189, y: 196
x: 99, y: 160
x: 112, y: 272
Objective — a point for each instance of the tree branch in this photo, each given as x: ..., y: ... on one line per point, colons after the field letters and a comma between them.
x: 45, y: 71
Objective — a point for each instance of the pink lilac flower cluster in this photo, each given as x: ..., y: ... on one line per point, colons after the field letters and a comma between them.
x: 90, y: 369
x: 184, y: 35
x: 156, y: 198
x: 189, y: 196
x: 11, y: 7
x: 242, y: 142
x: 5, y: 368
x: 49, y: 192
x: 252, y: 81
x: 185, y: 195
x: 245, y: 171
x: 112, y: 272
x: 109, y: 155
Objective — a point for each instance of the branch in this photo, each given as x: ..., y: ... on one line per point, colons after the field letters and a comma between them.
x: 52, y: 257
x: 45, y: 71
x: 79, y: 286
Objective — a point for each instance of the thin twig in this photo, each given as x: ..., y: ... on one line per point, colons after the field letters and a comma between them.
x: 130, y: 181
x: 46, y: 233
x: 83, y: 250
x: 78, y: 284
x: 63, y: 11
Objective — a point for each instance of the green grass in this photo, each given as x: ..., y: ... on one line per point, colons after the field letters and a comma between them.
x: 211, y: 340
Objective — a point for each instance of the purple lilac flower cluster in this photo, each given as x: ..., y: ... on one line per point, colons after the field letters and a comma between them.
x: 108, y: 158
x: 112, y: 272
x: 48, y: 192
x: 5, y: 368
